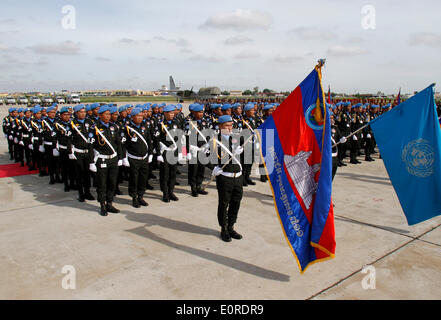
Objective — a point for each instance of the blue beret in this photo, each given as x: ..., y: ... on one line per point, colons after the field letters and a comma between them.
x: 113, y: 109
x: 103, y: 109
x: 179, y: 106
x: 198, y: 107
x: 135, y: 111
x: 122, y: 108
x: 236, y: 105
x: 170, y: 107
x: 374, y: 106
x: 226, y: 106
x: 147, y: 106
x: 50, y: 109
x: 79, y: 107
x: 64, y: 109
x: 20, y: 110
x: 162, y: 104
x: 37, y: 108
x: 155, y: 105
x: 268, y: 106
x: 248, y: 106
x: 215, y: 106
x: 27, y: 109
x: 12, y: 109
x: 190, y: 107
x: 138, y: 106
x: 225, y: 118
x: 88, y: 107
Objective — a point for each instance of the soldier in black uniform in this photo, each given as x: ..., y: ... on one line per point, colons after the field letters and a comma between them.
x: 105, y: 156
x: 168, y: 146
x: 356, y: 123
x: 63, y: 129
x: 7, y: 122
x: 26, y: 138
x: 195, y: 142
x: 229, y: 177
x: 136, y: 138
x: 336, y: 137
x: 78, y: 146
x: 267, y: 110
x: 250, y: 124
x: 37, y: 141
x: 343, y: 122
x: 150, y: 124
x: 49, y: 144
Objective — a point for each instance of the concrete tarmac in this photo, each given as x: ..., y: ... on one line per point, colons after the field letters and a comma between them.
x: 173, y: 251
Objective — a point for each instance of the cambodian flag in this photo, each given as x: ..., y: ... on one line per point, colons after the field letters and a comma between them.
x: 296, y: 148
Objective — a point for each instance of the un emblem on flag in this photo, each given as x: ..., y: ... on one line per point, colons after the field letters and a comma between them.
x: 315, y: 117
x: 418, y: 155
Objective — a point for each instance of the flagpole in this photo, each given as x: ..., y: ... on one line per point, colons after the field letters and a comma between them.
x: 353, y: 133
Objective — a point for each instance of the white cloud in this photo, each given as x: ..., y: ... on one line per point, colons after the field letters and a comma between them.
x: 341, y: 51
x: 247, y: 55
x: 425, y: 39
x: 239, y: 20
x: 236, y: 40
x: 203, y: 58
x: 313, y: 33
x: 287, y: 59
x: 62, y: 48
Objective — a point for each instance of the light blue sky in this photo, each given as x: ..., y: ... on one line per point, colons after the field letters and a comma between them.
x: 229, y: 44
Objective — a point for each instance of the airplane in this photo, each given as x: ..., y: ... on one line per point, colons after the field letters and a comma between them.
x: 176, y: 91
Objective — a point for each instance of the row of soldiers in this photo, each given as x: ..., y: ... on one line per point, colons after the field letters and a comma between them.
x: 78, y: 145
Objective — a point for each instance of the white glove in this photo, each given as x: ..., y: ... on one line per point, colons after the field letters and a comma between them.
x: 362, y: 136
x: 181, y: 158
x: 354, y: 137
x: 194, y: 151
x: 257, y: 145
x: 92, y: 167
x: 150, y: 159
x: 216, y: 171
x: 343, y: 140
x: 15, y: 140
x: 41, y: 149
x: 11, y: 137
x: 238, y: 150
x: 160, y: 159
x: 120, y: 162
x: 31, y: 147
x: 21, y: 143
x: 368, y: 136
x: 189, y: 156
x: 72, y: 156
x: 55, y: 153
x: 125, y: 162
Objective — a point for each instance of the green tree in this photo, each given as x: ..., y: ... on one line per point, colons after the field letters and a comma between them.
x: 247, y: 93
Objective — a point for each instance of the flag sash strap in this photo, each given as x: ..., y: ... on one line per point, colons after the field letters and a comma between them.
x: 79, y: 132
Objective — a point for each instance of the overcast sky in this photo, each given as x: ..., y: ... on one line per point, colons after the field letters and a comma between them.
x: 234, y: 45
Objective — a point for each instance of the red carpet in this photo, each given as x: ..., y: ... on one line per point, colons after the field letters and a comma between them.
x: 12, y: 170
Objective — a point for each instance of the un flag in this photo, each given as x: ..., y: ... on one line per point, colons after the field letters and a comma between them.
x: 409, y: 139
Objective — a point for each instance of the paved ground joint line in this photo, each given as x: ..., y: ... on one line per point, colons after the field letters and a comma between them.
x: 372, y: 263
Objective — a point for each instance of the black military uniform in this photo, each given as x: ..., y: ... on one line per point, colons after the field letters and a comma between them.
x: 194, y: 143
x: 248, y: 163
x: 78, y: 147
x: 26, y: 139
x: 167, y: 171
x: 38, y: 150
x: 335, y: 138
x: 357, y: 122
x: 64, y: 131
x: 138, y: 144
x: 7, y: 131
x: 229, y: 184
x: 49, y: 141
x: 105, y: 153
x: 343, y: 121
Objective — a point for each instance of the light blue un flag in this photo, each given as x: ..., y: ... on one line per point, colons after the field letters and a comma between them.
x: 409, y: 139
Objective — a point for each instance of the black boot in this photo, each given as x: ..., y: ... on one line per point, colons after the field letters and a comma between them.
x: 173, y: 197
x: 225, y: 236
x: 165, y: 198
x: 111, y: 208
x: 194, y: 191
x: 88, y: 195
x: 52, y: 180
x: 103, y: 210
x: 135, y: 202
x: 142, y: 202
x: 117, y: 191
x: 66, y: 188
x: 149, y: 186
x: 250, y: 182
x: 201, y: 191
x: 263, y: 179
x: 57, y: 179
x: 233, y: 233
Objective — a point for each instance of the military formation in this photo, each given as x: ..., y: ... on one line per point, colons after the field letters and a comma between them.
x: 101, y: 145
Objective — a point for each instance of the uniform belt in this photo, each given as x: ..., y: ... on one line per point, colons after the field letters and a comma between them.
x: 48, y: 143
x: 25, y: 136
x: 231, y: 174
x: 101, y: 156
x: 62, y: 147
x: 36, y: 138
x: 80, y: 150
x: 131, y: 156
